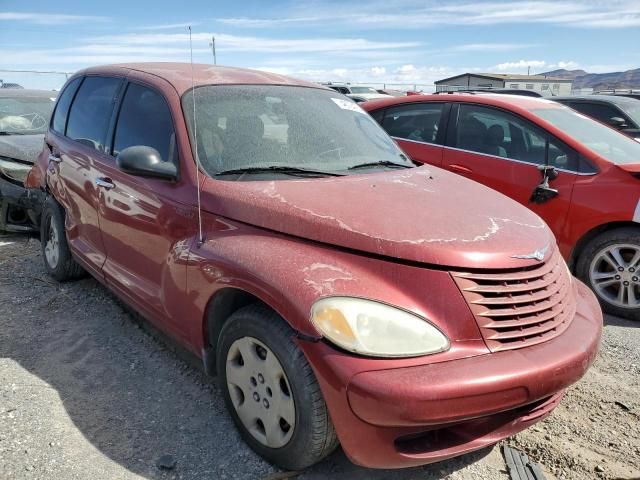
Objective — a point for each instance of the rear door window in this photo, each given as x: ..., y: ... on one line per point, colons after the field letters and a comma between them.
x: 495, y: 132
x: 417, y: 122
x: 61, y: 113
x: 91, y: 111
x: 145, y: 119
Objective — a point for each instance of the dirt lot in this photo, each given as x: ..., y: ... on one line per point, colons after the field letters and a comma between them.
x: 85, y: 392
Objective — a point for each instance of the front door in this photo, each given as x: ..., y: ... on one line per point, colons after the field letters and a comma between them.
x: 417, y: 128
x: 142, y: 219
x: 504, y: 152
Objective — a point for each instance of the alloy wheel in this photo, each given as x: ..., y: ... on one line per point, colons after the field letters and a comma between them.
x: 615, y: 276
x: 260, y: 392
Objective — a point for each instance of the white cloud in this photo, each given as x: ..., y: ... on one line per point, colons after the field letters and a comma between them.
x: 520, y: 65
x: 535, y: 65
x: 49, y: 18
x: 268, y: 22
x: 617, y: 14
x: 490, y: 47
x: 378, y: 71
x: 236, y: 43
x: 169, y: 26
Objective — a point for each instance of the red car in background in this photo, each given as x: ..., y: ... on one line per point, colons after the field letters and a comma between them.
x: 340, y: 292
x: 581, y: 177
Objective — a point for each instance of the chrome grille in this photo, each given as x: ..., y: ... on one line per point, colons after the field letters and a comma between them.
x: 518, y: 308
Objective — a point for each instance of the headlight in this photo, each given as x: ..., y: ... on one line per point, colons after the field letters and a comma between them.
x: 375, y: 329
x: 14, y: 170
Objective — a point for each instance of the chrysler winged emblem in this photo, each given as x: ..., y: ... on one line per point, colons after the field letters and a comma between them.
x: 536, y: 255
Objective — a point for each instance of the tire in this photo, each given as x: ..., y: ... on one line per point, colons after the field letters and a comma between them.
x: 606, y: 263
x: 57, y: 258
x: 312, y: 436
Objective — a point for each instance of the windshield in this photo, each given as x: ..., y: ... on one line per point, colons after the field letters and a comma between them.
x: 259, y: 126
x: 25, y: 115
x: 363, y: 90
x: 605, y: 141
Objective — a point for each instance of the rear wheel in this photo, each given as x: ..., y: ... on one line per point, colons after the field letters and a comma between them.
x: 271, y: 391
x: 610, y: 265
x: 55, y: 251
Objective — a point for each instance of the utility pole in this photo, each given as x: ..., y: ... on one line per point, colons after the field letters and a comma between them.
x: 212, y: 44
x: 529, y: 70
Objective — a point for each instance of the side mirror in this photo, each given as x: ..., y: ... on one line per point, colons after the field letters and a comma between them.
x: 543, y: 192
x: 617, y: 122
x: 143, y: 161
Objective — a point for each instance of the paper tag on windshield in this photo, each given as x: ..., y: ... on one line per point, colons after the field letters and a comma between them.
x: 347, y: 105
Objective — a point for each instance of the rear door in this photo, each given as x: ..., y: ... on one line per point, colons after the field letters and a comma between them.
x: 71, y: 173
x: 418, y: 128
x: 504, y: 152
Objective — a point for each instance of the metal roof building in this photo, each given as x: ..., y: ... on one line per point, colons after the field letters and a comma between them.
x: 539, y: 83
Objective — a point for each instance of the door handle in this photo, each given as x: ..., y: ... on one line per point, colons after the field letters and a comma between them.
x: 460, y: 169
x: 54, y: 157
x: 105, y: 183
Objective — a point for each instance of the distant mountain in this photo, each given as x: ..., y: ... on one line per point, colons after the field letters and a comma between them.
x: 599, y: 81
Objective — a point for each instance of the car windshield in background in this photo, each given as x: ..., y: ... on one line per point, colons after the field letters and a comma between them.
x: 363, y: 90
x: 633, y: 110
x: 607, y: 142
x: 25, y: 115
x: 282, y: 130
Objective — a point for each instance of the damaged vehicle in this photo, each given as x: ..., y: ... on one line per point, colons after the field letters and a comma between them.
x: 24, y: 118
x: 338, y: 291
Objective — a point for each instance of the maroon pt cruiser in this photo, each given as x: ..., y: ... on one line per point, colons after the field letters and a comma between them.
x: 339, y: 292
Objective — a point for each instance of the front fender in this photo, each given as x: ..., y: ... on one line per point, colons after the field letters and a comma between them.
x: 289, y: 274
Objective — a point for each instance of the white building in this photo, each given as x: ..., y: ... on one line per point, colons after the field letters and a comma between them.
x: 538, y: 83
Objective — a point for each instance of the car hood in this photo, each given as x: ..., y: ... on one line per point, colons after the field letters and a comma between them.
x: 421, y: 214
x: 21, y: 147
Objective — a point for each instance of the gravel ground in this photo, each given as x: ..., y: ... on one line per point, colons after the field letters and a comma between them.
x: 87, y: 391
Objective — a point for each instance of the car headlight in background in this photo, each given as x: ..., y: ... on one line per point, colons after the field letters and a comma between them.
x: 375, y: 329
x: 15, y: 171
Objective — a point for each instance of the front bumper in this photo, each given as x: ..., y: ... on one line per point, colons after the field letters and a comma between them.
x: 19, y: 207
x: 400, y: 417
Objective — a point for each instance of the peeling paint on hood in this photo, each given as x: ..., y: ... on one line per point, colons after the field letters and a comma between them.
x: 423, y: 214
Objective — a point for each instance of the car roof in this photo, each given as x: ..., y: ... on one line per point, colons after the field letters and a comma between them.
x: 495, y: 99
x: 617, y: 99
x: 23, y: 92
x: 179, y: 75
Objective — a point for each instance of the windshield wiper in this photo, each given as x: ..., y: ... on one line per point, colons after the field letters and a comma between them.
x: 383, y: 163
x: 278, y: 169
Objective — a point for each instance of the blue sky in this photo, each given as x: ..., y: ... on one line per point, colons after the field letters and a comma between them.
x: 392, y: 41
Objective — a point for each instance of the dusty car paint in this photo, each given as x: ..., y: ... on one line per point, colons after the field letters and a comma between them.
x: 395, y: 237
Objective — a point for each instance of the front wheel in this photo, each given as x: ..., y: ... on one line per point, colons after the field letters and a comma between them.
x: 271, y: 391
x: 610, y: 265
